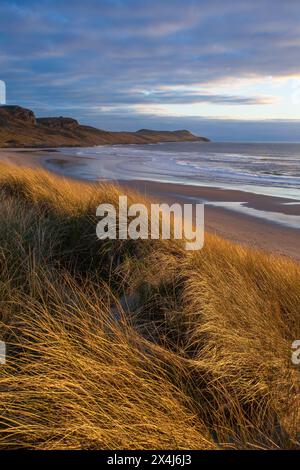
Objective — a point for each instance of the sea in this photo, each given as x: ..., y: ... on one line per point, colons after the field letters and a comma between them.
x: 269, y: 169
x: 262, y: 168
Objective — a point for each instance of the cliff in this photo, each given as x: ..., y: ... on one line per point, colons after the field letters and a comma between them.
x: 19, y: 127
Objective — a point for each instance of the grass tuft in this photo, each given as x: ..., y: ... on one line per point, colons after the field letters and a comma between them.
x: 137, y: 344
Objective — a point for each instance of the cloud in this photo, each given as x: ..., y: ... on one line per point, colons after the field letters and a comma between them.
x: 179, y: 97
x: 61, y: 54
x: 216, y: 129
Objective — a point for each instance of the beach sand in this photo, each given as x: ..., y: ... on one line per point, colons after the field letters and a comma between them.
x: 226, y: 222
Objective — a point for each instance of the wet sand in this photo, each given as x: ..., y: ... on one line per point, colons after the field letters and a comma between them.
x: 25, y: 157
x: 222, y: 208
x: 237, y: 227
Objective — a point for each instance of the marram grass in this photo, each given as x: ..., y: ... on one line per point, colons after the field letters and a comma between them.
x: 137, y: 344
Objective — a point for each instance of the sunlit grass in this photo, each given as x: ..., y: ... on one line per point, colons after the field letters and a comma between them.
x: 137, y: 344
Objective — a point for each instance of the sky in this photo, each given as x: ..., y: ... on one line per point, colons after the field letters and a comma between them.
x: 229, y: 70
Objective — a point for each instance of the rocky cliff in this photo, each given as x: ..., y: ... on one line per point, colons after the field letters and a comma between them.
x: 20, y: 128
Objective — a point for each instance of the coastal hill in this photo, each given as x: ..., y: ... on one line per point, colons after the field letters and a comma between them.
x: 19, y: 127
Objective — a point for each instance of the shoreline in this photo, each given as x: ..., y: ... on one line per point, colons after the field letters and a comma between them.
x: 236, y: 227
x: 225, y: 220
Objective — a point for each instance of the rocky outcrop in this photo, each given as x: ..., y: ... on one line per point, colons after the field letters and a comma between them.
x: 16, y: 115
x: 20, y: 128
x: 58, y: 123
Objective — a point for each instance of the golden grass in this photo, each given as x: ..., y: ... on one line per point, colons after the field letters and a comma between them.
x: 137, y: 344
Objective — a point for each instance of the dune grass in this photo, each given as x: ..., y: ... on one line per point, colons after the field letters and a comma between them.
x: 137, y: 344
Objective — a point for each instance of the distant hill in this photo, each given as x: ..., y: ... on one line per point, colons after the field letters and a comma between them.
x: 19, y: 127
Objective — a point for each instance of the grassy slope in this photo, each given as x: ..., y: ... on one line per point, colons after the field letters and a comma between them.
x: 19, y: 128
x: 123, y: 344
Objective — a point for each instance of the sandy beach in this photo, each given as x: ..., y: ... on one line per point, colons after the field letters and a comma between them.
x: 223, y: 216
x: 229, y: 224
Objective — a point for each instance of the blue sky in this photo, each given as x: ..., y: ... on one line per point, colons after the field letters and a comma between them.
x: 226, y: 69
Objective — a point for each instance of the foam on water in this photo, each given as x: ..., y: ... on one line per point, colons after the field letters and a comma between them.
x: 269, y: 169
